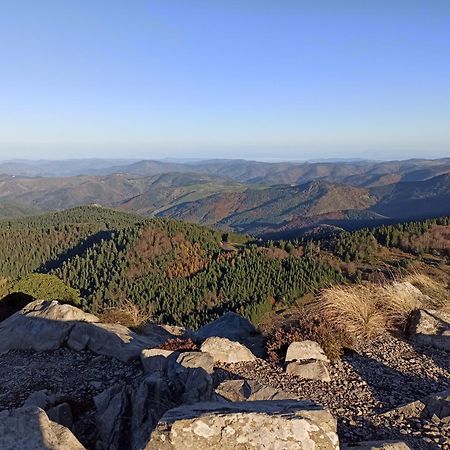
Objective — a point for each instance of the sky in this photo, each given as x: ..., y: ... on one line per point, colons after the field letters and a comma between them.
x: 256, y: 79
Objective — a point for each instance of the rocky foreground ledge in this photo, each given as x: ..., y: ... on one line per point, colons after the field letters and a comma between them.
x: 68, y: 381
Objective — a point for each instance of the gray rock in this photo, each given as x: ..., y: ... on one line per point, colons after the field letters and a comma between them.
x: 41, y: 399
x: 431, y: 328
x: 226, y: 351
x: 309, y: 370
x: 165, y: 332
x: 378, y: 445
x: 113, y: 406
x: 434, y: 405
x: 305, y: 350
x: 29, y: 428
x: 40, y: 326
x: 152, y: 398
x: 241, y: 390
x: 156, y: 360
x: 112, y: 340
x: 438, y: 404
x: 61, y: 414
x: 196, y: 359
x: 231, y: 326
x: 278, y: 425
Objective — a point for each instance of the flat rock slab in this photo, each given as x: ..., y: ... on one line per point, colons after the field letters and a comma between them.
x: 274, y: 425
x: 29, y: 428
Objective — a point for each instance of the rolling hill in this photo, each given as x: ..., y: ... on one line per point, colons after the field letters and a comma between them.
x: 246, y: 196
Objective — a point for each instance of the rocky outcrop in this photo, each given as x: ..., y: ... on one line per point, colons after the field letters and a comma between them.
x: 305, y: 350
x: 378, y: 445
x: 241, y: 390
x: 40, y: 326
x: 431, y: 328
x: 225, y: 351
x: 30, y: 428
x: 278, y: 425
x: 157, y: 360
x: 193, y: 360
x: 112, y: 340
x: 165, y: 332
x: 113, y: 410
x: 45, y: 325
x: 231, y: 326
x: 127, y: 415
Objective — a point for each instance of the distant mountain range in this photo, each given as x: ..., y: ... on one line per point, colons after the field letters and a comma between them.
x: 248, y: 196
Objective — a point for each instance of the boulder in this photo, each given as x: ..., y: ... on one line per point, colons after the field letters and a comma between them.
x: 166, y: 332
x: 226, y: 351
x: 241, y: 390
x: 309, y: 370
x: 40, y: 326
x: 150, y: 400
x: 278, y: 425
x: 437, y: 404
x: 196, y: 359
x: 231, y: 326
x: 29, y: 428
x: 43, y: 399
x: 61, y: 414
x: 196, y: 385
x: 112, y: 340
x: 305, y: 350
x: 405, y: 288
x: 377, y: 445
x: 156, y: 359
x: 431, y: 328
x: 113, y: 409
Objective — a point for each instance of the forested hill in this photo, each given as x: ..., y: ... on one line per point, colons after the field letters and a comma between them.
x: 188, y: 274
x: 178, y: 272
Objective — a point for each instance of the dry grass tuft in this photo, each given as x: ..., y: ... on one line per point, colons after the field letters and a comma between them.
x: 126, y: 313
x: 367, y: 310
x: 438, y: 292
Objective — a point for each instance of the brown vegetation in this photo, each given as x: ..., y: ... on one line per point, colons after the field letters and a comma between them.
x: 180, y: 345
x: 303, y: 324
x: 126, y: 313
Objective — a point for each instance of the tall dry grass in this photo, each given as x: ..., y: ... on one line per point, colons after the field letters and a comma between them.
x: 364, y: 311
x: 438, y: 291
x: 126, y: 313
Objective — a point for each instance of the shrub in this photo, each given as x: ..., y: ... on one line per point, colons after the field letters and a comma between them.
x: 46, y: 287
x: 306, y: 324
x: 180, y: 345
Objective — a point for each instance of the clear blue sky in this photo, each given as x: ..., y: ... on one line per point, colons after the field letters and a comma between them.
x: 231, y: 78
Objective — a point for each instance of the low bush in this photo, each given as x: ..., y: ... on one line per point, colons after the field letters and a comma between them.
x: 180, y: 345
x: 300, y: 325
